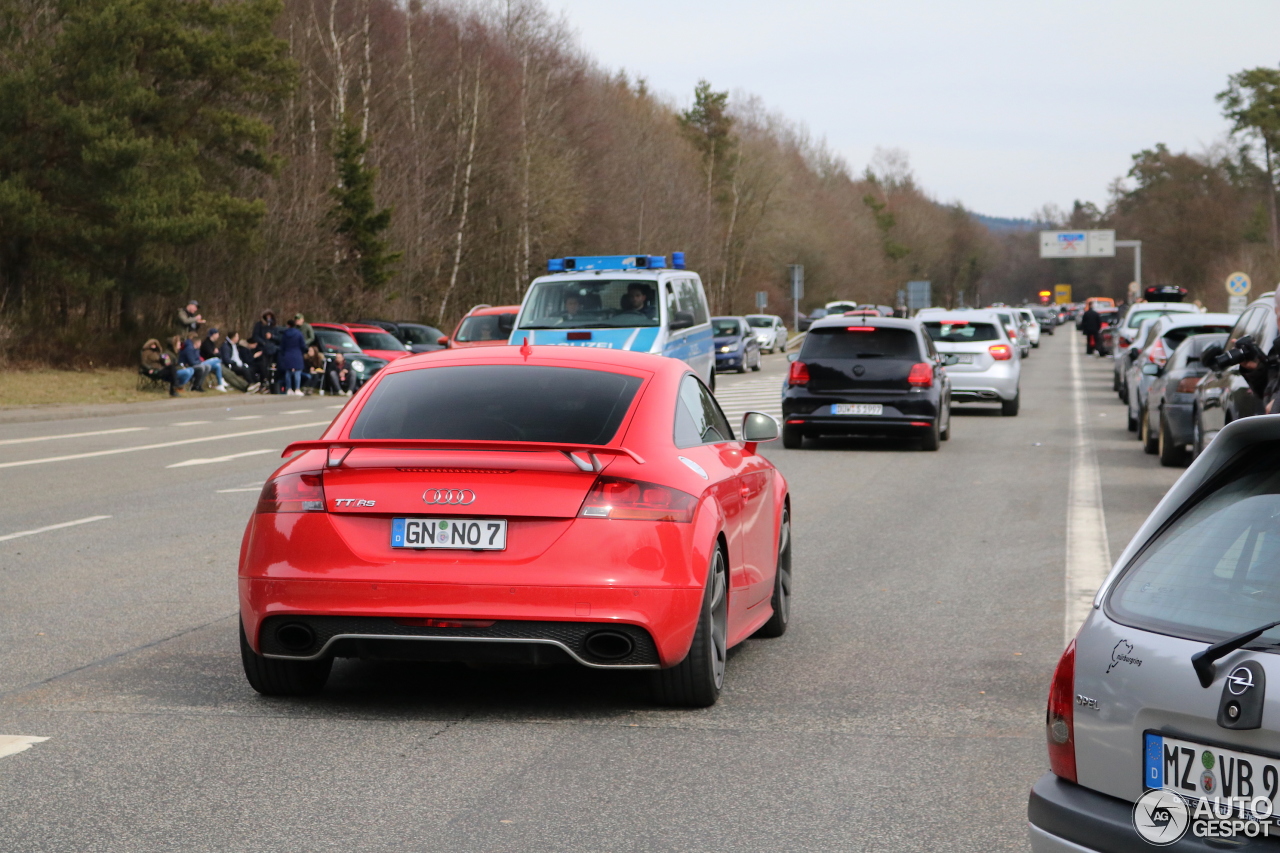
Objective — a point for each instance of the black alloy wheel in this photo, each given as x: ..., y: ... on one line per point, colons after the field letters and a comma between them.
x: 1149, y: 441
x: 781, y: 601
x: 274, y: 677
x: 696, y: 681
x: 1171, y: 455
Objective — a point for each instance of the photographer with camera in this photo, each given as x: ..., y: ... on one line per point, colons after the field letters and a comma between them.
x: 1260, y: 370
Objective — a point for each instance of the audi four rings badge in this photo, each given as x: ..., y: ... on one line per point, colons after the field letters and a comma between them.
x: 456, y: 497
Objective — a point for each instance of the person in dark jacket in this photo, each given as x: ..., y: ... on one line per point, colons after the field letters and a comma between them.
x: 189, y: 356
x: 158, y: 364
x: 313, y: 377
x: 338, y: 377
x: 189, y: 318
x: 239, y: 360
x: 292, y: 348
x: 1090, y: 326
x: 266, y: 334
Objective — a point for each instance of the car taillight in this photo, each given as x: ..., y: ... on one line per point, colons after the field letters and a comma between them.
x: 1060, y: 717
x: 293, y: 493
x: 921, y: 375
x: 799, y: 374
x: 1000, y: 352
x: 1187, y: 384
x: 614, y: 497
x: 1157, y: 355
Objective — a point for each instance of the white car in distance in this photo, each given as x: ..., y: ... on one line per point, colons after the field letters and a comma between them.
x: 769, y: 330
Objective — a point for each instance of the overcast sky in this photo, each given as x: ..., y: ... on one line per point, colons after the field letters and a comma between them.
x: 1004, y: 105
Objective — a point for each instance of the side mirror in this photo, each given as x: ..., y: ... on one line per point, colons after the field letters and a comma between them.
x: 1149, y: 369
x: 680, y: 320
x: 756, y: 427
x: 1210, y: 355
x: 443, y: 340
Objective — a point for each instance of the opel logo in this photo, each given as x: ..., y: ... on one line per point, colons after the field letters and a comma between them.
x: 1240, y: 680
x: 456, y: 497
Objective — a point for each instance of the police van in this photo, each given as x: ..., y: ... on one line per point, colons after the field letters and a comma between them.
x: 631, y: 302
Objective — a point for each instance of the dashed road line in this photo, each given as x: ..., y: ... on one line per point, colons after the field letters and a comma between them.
x: 22, y: 533
x: 13, y: 744
x: 72, y: 435
x: 247, y: 417
x: 227, y: 491
x: 188, y: 463
x: 1088, y: 553
x: 71, y: 456
x: 298, y: 412
x: 189, y: 423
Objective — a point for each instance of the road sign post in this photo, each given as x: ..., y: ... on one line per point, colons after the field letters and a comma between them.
x: 796, y: 272
x: 762, y: 300
x: 1238, y: 286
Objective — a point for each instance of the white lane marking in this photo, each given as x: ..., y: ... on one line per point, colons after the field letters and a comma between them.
x: 298, y: 412
x: 226, y: 458
x: 13, y: 744
x: 72, y: 435
x: 340, y: 406
x: 225, y: 491
x: 22, y: 533
x: 159, y: 445
x: 247, y: 418
x: 1088, y: 553
x: 189, y: 423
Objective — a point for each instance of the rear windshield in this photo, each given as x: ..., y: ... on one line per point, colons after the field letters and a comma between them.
x: 1180, y: 334
x: 420, y: 334
x: 494, y: 402
x: 1135, y: 318
x: 961, y: 331
x: 378, y: 340
x: 486, y: 327
x: 1215, y: 571
x: 877, y: 342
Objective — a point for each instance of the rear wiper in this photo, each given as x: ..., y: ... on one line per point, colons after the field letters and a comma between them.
x: 1203, y: 661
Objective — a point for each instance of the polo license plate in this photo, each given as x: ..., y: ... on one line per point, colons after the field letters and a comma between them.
x: 472, y: 534
x: 1196, y: 770
x: 857, y: 409
x: 964, y: 358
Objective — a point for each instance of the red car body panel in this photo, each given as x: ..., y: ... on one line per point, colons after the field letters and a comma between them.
x: 454, y: 343
x: 557, y: 566
x: 351, y: 329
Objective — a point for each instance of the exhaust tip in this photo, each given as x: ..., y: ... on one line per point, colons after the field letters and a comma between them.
x: 609, y: 645
x: 295, y: 636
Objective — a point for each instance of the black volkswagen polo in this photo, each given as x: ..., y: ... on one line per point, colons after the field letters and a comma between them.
x: 867, y: 376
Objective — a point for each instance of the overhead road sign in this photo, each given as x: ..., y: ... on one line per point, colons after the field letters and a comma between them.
x: 1078, y: 244
x: 919, y: 295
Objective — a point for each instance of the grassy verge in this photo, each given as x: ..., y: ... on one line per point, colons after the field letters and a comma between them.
x: 44, y: 387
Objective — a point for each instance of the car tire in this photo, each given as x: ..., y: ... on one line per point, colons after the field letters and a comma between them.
x: 1171, y: 455
x: 945, y: 435
x: 696, y: 681
x: 755, y: 368
x: 1132, y: 422
x: 712, y: 385
x: 1197, y: 436
x: 1009, y: 408
x: 931, y: 440
x: 792, y: 437
x: 781, y: 600
x: 272, y: 677
x: 742, y: 368
x: 1149, y: 441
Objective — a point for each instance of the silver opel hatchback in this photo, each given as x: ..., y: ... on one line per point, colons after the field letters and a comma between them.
x: 1160, y: 729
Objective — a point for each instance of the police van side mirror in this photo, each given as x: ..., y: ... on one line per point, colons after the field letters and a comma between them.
x: 680, y: 320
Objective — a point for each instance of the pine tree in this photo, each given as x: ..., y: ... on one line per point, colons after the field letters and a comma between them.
x: 358, y: 223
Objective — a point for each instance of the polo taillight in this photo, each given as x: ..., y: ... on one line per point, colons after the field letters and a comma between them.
x: 293, y: 493
x: 1060, y: 717
x: 1187, y: 384
x: 921, y: 375
x: 615, y: 497
x: 799, y: 374
x: 1000, y: 352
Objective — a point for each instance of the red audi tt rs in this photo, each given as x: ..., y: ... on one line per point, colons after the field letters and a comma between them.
x: 523, y: 504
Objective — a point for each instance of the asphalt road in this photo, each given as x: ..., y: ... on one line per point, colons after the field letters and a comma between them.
x: 903, y: 711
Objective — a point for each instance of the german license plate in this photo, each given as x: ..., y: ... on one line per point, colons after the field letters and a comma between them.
x: 964, y: 358
x: 474, y: 534
x: 1197, y: 770
x: 857, y: 409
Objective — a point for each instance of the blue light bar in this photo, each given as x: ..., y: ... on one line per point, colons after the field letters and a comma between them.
x: 677, y: 260
x: 607, y: 262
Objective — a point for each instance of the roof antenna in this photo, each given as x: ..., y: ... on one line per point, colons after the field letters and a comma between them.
x: 525, y: 349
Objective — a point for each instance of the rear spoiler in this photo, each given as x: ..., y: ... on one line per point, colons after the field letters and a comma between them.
x: 339, y: 448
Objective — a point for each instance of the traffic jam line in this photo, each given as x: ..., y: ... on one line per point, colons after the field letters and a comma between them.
x: 13, y: 744
x: 72, y: 435
x: 158, y: 446
x: 188, y: 463
x: 78, y: 521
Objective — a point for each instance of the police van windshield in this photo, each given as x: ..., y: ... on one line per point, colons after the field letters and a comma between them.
x: 591, y: 304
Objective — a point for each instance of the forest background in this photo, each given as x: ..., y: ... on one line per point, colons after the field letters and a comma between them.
x: 354, y: 158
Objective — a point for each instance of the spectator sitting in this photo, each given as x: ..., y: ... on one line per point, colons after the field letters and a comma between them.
x: 337, y: 376
x: 183, y: 373
x: 158, y: 364
x: 290, y: 359
x: 189, y: 318
x: 189, y: 356
x: 239, y: 360
x: 313, y: 376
